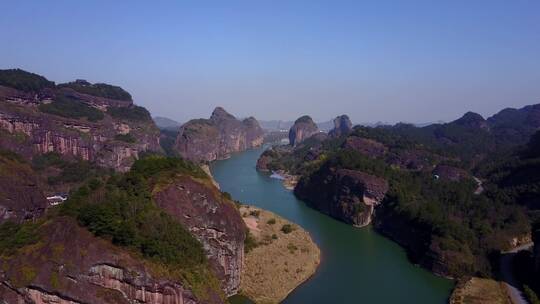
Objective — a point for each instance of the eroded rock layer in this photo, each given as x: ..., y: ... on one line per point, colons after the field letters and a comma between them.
x: 217, y: 137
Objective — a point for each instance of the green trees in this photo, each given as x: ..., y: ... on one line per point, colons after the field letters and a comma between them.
x: 120, y: 208
x: 71, y: 108
x: 98, y: 89
x: 24, y: 81
x: 133, y: 113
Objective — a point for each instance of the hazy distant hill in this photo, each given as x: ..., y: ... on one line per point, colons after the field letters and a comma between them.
x: 166, y: 123
x: 275, y: 125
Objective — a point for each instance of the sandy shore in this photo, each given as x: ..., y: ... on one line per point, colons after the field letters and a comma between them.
x: 280, y: 262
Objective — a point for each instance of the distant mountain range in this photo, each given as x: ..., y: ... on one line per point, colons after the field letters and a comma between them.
x: 165, y: 123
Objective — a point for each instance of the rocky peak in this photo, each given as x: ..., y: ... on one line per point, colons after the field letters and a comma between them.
x: 303, y: 128
x: 342, y: 126
x: 217, y: 137
x: 219, y: 114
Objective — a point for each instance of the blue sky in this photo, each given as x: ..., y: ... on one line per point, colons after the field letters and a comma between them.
x: 414, y: 61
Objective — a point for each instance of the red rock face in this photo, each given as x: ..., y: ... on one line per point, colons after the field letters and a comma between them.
x: 213, y: 220
x: 73, y: 266
x: 217, y: 137
x: 347, y: 195
x: 303, y: 128
x: 28, y: 131
x: 342, y: 126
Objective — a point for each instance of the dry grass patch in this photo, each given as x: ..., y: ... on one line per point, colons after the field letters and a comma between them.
x: 280, y: 261
x: 480, y: 291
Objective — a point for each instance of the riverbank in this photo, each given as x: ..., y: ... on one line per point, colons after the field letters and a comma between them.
x: 289, y: 181
x: 357, y: 263
x: 284, y: 256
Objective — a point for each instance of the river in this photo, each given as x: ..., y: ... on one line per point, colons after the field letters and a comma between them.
x: 358, y: 265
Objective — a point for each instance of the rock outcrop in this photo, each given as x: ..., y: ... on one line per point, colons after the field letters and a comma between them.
x: 217, y: 137
x: 110, y: 132
x: 348, y: 195
x: 342, y: 126
x: 213, y: 220
x: 20, y: 196
x: 71, y: 266
x: 303, y: 128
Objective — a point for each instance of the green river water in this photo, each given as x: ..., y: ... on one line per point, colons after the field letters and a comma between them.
x: 358, y: 265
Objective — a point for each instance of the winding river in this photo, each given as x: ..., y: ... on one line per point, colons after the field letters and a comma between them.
x: 358, y: 265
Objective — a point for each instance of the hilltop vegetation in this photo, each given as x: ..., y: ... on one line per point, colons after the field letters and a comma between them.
x: 98, y: 89
x: 71, y: 108
x: 120, y: 208
x: 132, y: 113
x: 451, y: 228
x: 24, y: 81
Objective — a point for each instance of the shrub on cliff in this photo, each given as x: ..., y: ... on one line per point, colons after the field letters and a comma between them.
x: 122, y: 210
x: 287, y: 228
x: 71, y: 108
x: 14, y: 236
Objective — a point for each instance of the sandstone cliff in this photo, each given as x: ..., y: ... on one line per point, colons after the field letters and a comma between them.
x: 213, y: 220
x: 71, y: 266
x: 68, y: 120
x: 348, y: 195
x: 217, y: 137
x: 342, y: 126
x: 303, y: 128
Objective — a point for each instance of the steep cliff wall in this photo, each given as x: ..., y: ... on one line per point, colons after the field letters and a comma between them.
x: 303, y: 128
x: 217, y: 137
x: 213, y: 220
x: 342, y: 126
x: 113, y: 133
x: 348, y: 195
x: 70, y: 265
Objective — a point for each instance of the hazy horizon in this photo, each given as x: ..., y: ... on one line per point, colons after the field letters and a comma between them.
x: 410, y: 61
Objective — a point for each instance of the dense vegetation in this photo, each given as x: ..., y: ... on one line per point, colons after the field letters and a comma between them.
x: 14, y: 236
x: 132, y: 113
x: 24, y: 81
x: 120, y: 208
x: 71, y: 108
x: 466, y: 229
x: 472, y: 227
x: 98, y: 89
x: 69, y: 171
